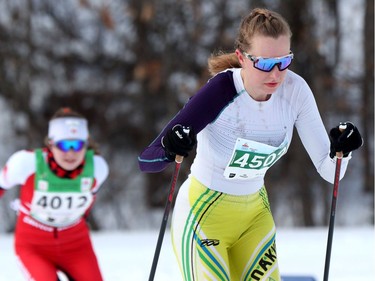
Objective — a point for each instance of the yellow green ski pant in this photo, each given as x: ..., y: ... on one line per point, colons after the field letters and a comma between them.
x: 217, y: 236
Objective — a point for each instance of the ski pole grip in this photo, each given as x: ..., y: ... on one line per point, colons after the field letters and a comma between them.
x: 179, y: 159
x: 340, y: 154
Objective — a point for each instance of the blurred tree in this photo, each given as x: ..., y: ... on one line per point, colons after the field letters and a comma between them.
x: 129, y: 66
x: 367, y: 108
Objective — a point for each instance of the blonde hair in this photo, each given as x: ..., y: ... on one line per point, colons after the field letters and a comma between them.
x: 68, y: 112
x: 258, y: 22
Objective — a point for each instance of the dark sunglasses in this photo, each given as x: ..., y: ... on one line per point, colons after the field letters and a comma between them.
x: 267, y: 64
x: 66, y: 145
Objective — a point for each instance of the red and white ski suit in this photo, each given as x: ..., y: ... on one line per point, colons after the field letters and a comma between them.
x: 42, y: 249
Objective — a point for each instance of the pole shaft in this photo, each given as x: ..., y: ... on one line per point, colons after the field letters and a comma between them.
x: 332, y: 218
x: 165, y: 219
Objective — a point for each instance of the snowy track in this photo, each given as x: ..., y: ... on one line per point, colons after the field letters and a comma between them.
x: 127, y: 256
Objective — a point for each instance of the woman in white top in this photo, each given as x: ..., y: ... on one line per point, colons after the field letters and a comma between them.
x: 242, y: 121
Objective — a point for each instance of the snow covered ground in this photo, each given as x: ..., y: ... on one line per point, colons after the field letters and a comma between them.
x: 127, y: 256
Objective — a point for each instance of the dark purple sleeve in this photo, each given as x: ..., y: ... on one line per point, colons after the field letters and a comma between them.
x: 201, y: 109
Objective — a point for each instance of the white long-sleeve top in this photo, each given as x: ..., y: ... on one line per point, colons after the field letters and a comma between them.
x: 229, y: 123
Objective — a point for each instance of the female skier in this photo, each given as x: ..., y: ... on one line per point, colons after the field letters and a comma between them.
x: 222, y: 226
x: 58, y: 187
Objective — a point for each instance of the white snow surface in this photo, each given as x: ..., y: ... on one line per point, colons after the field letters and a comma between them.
x: 128, y: 255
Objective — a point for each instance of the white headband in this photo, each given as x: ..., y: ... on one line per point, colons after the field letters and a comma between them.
x: 68, y: 128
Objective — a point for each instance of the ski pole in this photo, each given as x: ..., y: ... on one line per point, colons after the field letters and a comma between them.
x: 339, y: 156
x: 163, y: 226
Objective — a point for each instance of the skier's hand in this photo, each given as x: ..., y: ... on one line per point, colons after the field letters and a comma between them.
x: 179, y: 140
x: 344, y: 138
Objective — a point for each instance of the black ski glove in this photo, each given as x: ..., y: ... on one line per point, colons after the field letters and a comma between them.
x: 345, y: 138
x: 178, y: 141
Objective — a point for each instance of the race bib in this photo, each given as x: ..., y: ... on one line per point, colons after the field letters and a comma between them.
x: 251, y: 159
x: 59, y: 208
